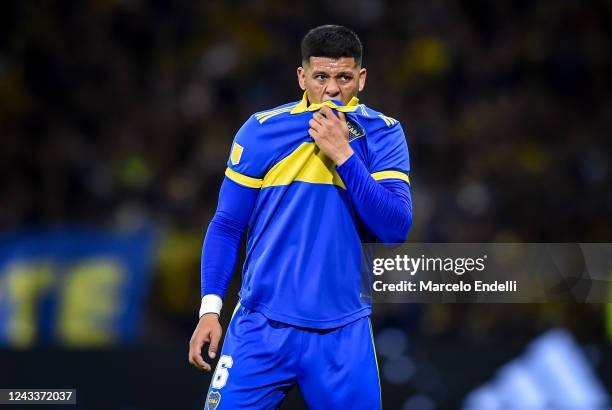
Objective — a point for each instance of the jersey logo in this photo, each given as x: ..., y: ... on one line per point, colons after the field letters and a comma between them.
x: 214, y: 397
x: 388, y: 120
x: 236, y: 153
x: 355, y: 130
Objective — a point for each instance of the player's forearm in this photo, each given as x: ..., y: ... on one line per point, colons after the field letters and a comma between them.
x: 385, y: 207
x: 219, y: 254
x: 222, y: 241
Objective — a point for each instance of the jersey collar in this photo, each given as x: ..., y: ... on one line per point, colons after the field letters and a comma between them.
x: 304, y: 107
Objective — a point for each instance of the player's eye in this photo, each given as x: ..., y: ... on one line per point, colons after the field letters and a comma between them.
x: 320, y: 77
x: 346, y: 78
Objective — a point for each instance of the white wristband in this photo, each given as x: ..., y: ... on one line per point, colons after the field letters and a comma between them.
x: 211, y: 304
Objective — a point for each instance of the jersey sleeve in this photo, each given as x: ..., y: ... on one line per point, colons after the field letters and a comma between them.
x: 222, y: 240
x: 247, y: 161
x: 389, y: 158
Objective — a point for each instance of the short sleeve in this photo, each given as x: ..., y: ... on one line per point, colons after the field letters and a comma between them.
x: 247, y: 160
x: 389, y: 158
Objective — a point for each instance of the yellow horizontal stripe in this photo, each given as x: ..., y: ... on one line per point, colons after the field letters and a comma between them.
x: 306, y: 164
x: 390, y: 175
x: 243, y: 179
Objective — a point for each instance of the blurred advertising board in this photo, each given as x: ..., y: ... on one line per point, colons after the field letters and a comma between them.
x: 73, y: 286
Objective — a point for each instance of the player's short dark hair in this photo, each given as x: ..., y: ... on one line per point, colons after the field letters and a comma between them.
x: 331, y: 41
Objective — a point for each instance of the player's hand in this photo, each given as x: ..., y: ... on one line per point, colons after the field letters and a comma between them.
x: 330, y: 133
x: 208, y: 331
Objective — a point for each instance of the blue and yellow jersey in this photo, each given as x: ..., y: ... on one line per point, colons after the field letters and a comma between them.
x: 303, y: 257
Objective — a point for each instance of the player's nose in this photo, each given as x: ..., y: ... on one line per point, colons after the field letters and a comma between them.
x: 332, y: 89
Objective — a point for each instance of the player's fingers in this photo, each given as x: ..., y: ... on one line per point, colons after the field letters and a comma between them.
x: 195, y: 351
x: 196, y: 359
x: 313, y: 133
x: 200, y: 363
x: 314, y: 124
x: 318, y: 118
x: 326, y: 112
x: 193, y: 357
x: 213, y: 347
x: 330, y: 117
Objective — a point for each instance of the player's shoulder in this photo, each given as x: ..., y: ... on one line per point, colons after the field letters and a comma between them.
x: 374, y: 120
x: 257, y: 127
x: 277, y: 113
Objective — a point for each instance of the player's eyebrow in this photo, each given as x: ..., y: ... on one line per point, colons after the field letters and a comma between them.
x: 344, y: 74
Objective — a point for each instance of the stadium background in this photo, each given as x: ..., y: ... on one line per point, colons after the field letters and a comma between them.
x: 116, y: 119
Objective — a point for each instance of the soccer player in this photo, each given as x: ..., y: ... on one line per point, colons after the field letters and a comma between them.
x: 312, y: 180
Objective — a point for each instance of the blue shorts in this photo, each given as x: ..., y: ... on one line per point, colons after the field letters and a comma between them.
x: 262, y: 359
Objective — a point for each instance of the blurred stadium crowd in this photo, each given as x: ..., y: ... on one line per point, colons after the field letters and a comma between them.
x: 114, y: 108
x: 116, y: 113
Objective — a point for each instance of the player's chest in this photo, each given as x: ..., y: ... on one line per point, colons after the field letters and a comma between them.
x: 301, y: 159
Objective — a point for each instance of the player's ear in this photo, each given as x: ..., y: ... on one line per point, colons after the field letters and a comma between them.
x: 363, y: 73
x: 301, y: 75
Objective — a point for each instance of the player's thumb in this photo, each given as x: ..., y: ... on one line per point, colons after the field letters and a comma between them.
x: 341, y: 116
x: 214, y: 344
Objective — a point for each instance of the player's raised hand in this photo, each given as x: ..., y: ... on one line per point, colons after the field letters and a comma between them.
x: 330, y: 133
x: 208, y: 331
